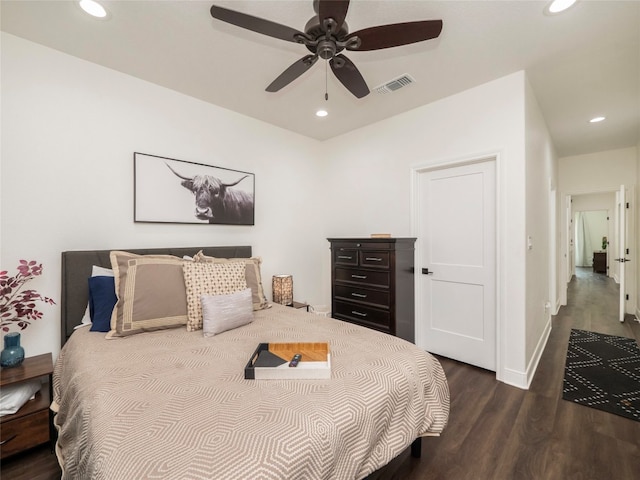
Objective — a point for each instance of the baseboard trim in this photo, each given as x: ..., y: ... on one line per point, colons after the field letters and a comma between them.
x: 514, y: 378
x: 523, y: 379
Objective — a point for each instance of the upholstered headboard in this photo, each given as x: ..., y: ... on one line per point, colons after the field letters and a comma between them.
x: 77, y: 266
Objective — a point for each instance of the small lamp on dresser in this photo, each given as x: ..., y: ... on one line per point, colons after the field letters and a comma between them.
x: 282, y: 286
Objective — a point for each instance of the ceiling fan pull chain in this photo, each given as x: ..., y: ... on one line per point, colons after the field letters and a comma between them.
x: 326, y: 93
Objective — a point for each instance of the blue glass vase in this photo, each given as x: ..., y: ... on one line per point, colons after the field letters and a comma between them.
x: 13, y: 353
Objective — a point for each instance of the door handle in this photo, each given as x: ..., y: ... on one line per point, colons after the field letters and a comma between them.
x: 621, y: 260
x: 4, y: 442
x: 425, y: 271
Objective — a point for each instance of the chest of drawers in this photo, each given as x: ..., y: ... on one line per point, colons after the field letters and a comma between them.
x: 600, y: 262
x: 372, y: 283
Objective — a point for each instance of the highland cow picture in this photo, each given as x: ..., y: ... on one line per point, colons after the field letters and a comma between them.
x: 167, y: 190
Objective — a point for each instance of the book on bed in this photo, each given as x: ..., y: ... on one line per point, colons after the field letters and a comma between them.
x: 272, y: 361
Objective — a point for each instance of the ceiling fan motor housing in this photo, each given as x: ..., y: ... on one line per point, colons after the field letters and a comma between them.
x: 326, y: 49
x: 325, y: 45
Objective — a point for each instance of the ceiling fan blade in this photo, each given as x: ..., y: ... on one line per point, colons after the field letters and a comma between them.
x: 349, y: 76
x: 395, y: 35
x: 256, y: 24
x: 293, y: 72
x: 336, y: 9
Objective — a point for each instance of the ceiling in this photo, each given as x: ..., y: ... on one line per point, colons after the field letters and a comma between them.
x: 581, y: 63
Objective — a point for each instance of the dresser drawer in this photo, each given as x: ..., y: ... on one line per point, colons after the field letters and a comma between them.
x: 361, y: 315
x: 362, y: 277
x: 25, y: 432
x: 374, y: 259
x: 363, y: 295
x: 363, y: 245
x: 343, y: 256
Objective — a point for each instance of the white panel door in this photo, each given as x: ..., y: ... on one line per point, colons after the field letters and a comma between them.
x: 457, y: 277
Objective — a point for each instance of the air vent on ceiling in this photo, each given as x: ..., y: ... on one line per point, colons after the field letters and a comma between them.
x: 395, y: 84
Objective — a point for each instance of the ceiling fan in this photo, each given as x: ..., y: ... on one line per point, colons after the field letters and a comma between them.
x: 326, y: 34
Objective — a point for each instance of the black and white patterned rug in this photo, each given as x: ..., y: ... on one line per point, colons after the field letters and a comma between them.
x: 603, y: 372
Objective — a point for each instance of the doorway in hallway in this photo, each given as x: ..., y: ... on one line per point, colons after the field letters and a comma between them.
x: 593, y: 304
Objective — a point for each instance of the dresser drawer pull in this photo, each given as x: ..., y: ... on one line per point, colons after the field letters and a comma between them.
x: 373, y: 259
x: 360, y: 314
x: 361, y: 277
x: 4, y: 442
x: 344, y: 257
x: 359, y: 295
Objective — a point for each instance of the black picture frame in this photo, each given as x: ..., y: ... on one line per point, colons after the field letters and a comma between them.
x: 167, y: 190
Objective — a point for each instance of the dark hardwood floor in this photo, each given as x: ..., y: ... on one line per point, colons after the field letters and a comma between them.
x: 500, y: 432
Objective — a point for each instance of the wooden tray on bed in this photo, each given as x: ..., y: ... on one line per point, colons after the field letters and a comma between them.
x: 270, y: 361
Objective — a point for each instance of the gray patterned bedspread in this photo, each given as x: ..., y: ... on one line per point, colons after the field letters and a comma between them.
x: 174, y: 404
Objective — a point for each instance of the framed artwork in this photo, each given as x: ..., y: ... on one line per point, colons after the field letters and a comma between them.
x: 167, y: 190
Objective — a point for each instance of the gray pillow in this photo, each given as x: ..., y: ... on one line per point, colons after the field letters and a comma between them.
x: 225, y: 312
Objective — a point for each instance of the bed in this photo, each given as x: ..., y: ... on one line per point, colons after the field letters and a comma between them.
x: 174, y: 404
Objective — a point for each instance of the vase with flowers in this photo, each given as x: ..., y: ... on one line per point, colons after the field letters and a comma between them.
x: 18, y: 309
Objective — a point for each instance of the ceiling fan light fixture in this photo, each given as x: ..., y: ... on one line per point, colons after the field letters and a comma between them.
x: 597, y: 119
x: 321, y: 113
x: 93, y: 8
x: 557, y: 6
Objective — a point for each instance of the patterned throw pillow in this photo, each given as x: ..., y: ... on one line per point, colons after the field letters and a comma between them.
x: 252, y: 274
x: 150, y: 291
x: 210, y: 279
x: 225, y: 312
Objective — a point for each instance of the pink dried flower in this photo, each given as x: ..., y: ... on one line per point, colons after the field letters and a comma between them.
x: 18, y: 307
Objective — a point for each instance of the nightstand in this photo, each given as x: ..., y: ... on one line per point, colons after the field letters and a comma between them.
x: 31, y: 425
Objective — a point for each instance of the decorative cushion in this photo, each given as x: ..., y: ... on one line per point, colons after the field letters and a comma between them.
x: 252, y: 276
x: 102, y: 299
x: 210, y: 279
x: 225, y: 312
x: 96, y: 271
x: 151, y: 293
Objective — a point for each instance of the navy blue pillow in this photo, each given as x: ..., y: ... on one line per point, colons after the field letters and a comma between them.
x: 102, y: 299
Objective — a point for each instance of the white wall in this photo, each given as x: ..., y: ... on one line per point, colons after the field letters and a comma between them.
x: 370, y: 188
x: 603, y: 172
x: 69, y: 131
x: 597, y: 172
x: 540, y: 181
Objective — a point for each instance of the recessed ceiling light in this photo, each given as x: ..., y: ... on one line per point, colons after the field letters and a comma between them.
x: 322, y: 113
x: 93, y: 8
x: 597, y: 119
x: 557, y: 6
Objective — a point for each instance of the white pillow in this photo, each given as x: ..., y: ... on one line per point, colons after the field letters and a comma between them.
x: 96, y: 271
x: 225, y: 312
x: 12, y: 397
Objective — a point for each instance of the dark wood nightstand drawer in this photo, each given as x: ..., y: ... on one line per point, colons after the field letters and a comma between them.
x: 374, y: 259
x: 362, y: 295
x: 345, y: 257
x: 362, y: 277
x: 366, y: 316
x: 25, y: 432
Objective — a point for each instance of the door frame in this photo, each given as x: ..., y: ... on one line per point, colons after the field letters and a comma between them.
x: 425, y: 166
x: 631, y: 267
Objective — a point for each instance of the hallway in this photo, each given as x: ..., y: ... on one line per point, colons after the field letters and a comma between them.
x: 593, y: 303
